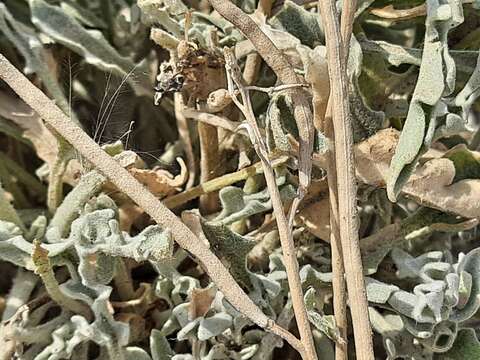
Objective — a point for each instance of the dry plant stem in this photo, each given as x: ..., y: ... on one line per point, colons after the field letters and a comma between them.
x: 346, y: 183
x: 184, y: 133
x: 209, y: 164
x: 338, y: 268
x: 44, y: 269
x: 285, y: 74
x: 219, y: 183
x: 235, y: 79
x: 125, y: 182
x: 346, y: 25
x: 210, y: 119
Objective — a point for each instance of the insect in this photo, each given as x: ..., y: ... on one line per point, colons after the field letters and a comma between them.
x: 168, y: 80
x: 195, y: 71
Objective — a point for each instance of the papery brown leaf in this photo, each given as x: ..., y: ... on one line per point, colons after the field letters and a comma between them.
x: 160, y: 182
x: 201, y: 300
x: 432, y: 182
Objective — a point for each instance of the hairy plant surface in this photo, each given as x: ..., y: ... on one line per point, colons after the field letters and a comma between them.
x: 217, y: 179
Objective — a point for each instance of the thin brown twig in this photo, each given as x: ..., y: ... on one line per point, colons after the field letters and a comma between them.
x: 389, y: 12
x: 211, y: 119
x: 285, y: 72
x: 236, y: 84
x: 126, y: 183
x: 184, y: 133
x: 346, y: 184
x: 209, y: 164
x: 219, y: 183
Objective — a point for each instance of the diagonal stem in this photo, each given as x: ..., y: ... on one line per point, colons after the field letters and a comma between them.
x: 126, y: 183
x: 285, y: 72
x: 234, y: 78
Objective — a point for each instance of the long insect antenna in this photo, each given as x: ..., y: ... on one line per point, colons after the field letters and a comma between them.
x: 101, y: 111
x: 111, y: 105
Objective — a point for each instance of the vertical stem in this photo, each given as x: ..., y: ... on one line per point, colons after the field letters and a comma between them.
x: 209, y: 164
x: 338, y: 281
x: 346, y: 185
x: 303, y: 117
x: 123, y: 281
x: 308, y: 351
x: 184, y: 133
x: 291, y: 263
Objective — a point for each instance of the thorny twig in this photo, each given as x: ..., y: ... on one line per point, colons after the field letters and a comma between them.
x: 346, y: 184
x: 236, y: 85
x: 125, y: 182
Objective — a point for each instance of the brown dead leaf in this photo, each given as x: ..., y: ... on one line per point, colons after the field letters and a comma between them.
x: 373, y: 156
x: 160, y: 182
x: 430, y: 184
x: 315, y: 214
x: 201, y: 300
x: 316, y: 218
